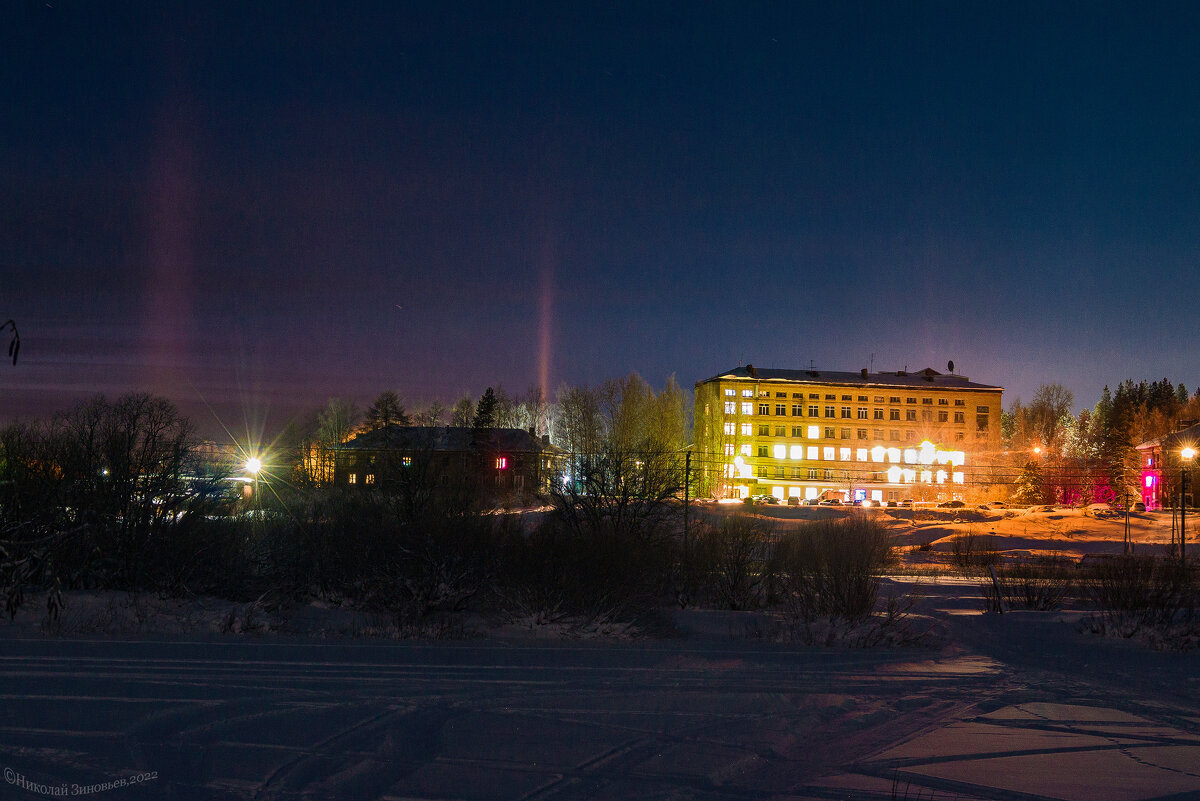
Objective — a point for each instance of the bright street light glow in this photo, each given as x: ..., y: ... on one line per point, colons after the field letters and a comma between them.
x: 253, y: 466
x: 1188, y: 453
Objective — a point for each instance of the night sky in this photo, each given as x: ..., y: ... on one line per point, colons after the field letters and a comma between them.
x: 256, y: 206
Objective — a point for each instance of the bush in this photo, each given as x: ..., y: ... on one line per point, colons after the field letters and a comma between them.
x: 972, y: 553
x: 1038, y: 584
x: 831, y: 568
x: 731, y: 560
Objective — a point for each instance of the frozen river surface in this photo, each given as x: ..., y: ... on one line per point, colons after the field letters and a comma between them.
x: 1012, y: 707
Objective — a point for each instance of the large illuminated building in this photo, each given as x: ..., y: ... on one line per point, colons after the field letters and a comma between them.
x: 878, y: 437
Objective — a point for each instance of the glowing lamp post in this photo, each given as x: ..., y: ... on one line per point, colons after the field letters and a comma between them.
x: 1188, y: 454
x: 253, y: 466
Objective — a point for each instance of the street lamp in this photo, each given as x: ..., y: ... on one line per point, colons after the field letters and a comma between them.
x: 253, y: 466
x: 1188, y: 454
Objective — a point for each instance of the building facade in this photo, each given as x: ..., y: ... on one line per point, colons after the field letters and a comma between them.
x: 1162, y: 466
x: 878, y: 437
x: 500, y: 460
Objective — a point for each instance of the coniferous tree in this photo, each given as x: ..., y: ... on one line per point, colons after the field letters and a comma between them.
x: 386, y: 410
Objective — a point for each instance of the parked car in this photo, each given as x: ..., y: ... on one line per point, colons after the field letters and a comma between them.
x: 907, y: 503
x: 764, y: 499
x: 951, y: 505
x: 812, y: 501
x: 831, y: 502
x: 1139, y: 507
x: 892, y: 504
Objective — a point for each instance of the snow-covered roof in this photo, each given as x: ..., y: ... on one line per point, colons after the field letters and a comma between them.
x: 445, y: 438
x: 918, y: 379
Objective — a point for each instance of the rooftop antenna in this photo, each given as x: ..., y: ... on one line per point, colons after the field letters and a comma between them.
x: 811, y: 366
x: 872, y: 362
x: 950, y: 365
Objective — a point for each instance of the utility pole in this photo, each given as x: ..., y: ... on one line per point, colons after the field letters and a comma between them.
x: 687, y: 480
x: 1182, y: 515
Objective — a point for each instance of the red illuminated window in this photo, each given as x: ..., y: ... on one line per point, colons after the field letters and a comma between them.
x: 501, y: 462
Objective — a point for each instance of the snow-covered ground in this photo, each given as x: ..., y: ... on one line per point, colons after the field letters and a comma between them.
x: 1015, y: 706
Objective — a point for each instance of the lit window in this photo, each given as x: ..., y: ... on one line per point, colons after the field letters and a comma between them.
x: 957, y: 478
x: 747, y: 408
x: 370, y: 479
x: 814, y: 432
x: 893, y: 455
x: 352, y: 478
x: 796, y: 452
x: 747, y: 393
x: 730, y: 391
x: 729, y: 449
x: 878, y: 453
x: 501, y: 462
x: 779, y: 451
x: 844, y: 454
x: 893, y: 474
x: 941, y: 476
x: 745, y: 449
x: 747, y: 429
x: 926, y: 476
x: 730, y: 429
x: 910, y: 455
x: 828, y: 454
x: 861, y: 454
x: 730, y: 407
x: 814, y: 452
x: 406, y: 461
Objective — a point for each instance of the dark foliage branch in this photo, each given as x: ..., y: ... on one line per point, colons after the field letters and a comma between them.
x: 14, y: 344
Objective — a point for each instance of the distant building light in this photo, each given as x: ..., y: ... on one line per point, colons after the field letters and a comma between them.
x: 501, y: 462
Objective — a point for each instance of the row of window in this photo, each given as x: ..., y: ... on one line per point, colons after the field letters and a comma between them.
x: 748, y: 393
x: 815, y: 432
x: 828, y: 453
x: 848, y: 413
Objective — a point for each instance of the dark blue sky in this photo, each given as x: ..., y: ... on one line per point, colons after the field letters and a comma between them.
x: 228, y: 202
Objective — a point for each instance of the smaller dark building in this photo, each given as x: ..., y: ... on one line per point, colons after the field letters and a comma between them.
x: 497, y: 460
